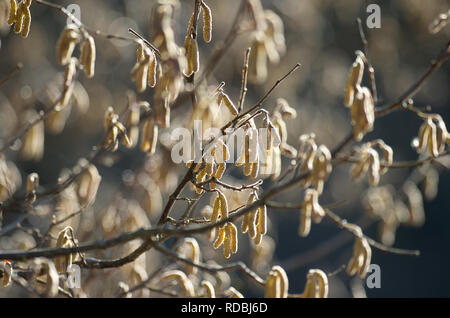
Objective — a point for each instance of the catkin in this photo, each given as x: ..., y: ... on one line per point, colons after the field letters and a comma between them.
x: 277, y: 283
x: 65, y: 240
x: 232, y: 292
x: 33, y: 141
x: 192, y: 55
x: 194, y: 254
x: 441, y: 133
x: 152, y: 70
x: 229, y: 104
x: 12, y: 12
x: 88, y: 184
x: 26, y: 23
x: 182, y: 280
x: 316, y: 284
x: 20, y: 15
x: 149, y: 137
x: 354, y: 80
x: 66, y: 44
x: 209, y: 289
x: 88, y: 55
x: 362, y: 254
x: 207, y: 22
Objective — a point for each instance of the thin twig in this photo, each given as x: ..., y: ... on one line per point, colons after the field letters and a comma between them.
x: 17, y: 68
x: 244, y: 80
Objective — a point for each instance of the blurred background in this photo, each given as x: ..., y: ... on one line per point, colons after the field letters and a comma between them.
x: 322, y: 36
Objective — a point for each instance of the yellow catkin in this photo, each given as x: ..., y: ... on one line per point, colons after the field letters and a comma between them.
x: 65, y: 239
x: 248, y: 222
x: 229, y: 104
x: 227, y: 242
x: 283, y: 281
x: 432, y: 139
x: 209, y: 289
x: 216, y: 210
x: 424, y: 131
x: 220, y: 170
x: 322, y: 282
x: 12, y: 12
x: 192, y: 55
x: 233, y: 237
x: 441, y: 133
x: 149, y: 137
x: 201, y: 176
x: 220, y: 238
x: 388, y: 155
x: 22, y: 17
x: 272, y: 286
x: 207, y: 22
x: 26, y: 22
x: 354, y: 79
x: 232, y: 292
x: 194, y: 254
x: 88, y: 184
x: 310, y: 287
x: 152, y: 68
x: 18, y: 19
x: 66, y: 44
x: 33, y: 141
x: 88, y: 56
x: 362, y: 254
x: 223, y: 205
x: 262, y: 219
x: 182, y: 280
x: 305, y: 220
x: 374, y: 168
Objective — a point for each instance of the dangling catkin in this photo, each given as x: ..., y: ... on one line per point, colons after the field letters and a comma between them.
x: 88, y: 55
x: 12, y: 12
x: 149, y: 137
x: 66, y: 44
x: 207, y: 22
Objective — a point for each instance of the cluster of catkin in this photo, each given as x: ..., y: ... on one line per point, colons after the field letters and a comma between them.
x: 145, y: 69
x: 69, y: 38
x: 315, y: 162
x: 368, y: 161
x: 362, y: 253
x: 20, y: 16
x: 275, y: 141
x: 191, y: 286
x: 249, y: 152
x: 311, y: 211
x: 213, y: 164
x: 433, y: 135
x: 402, y: 207
x: 115, y: 131
x: 190, y: 44
x: 359, y: 99
x: 227, y: 235
x: 268, y: 42
x: 255, y: 221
